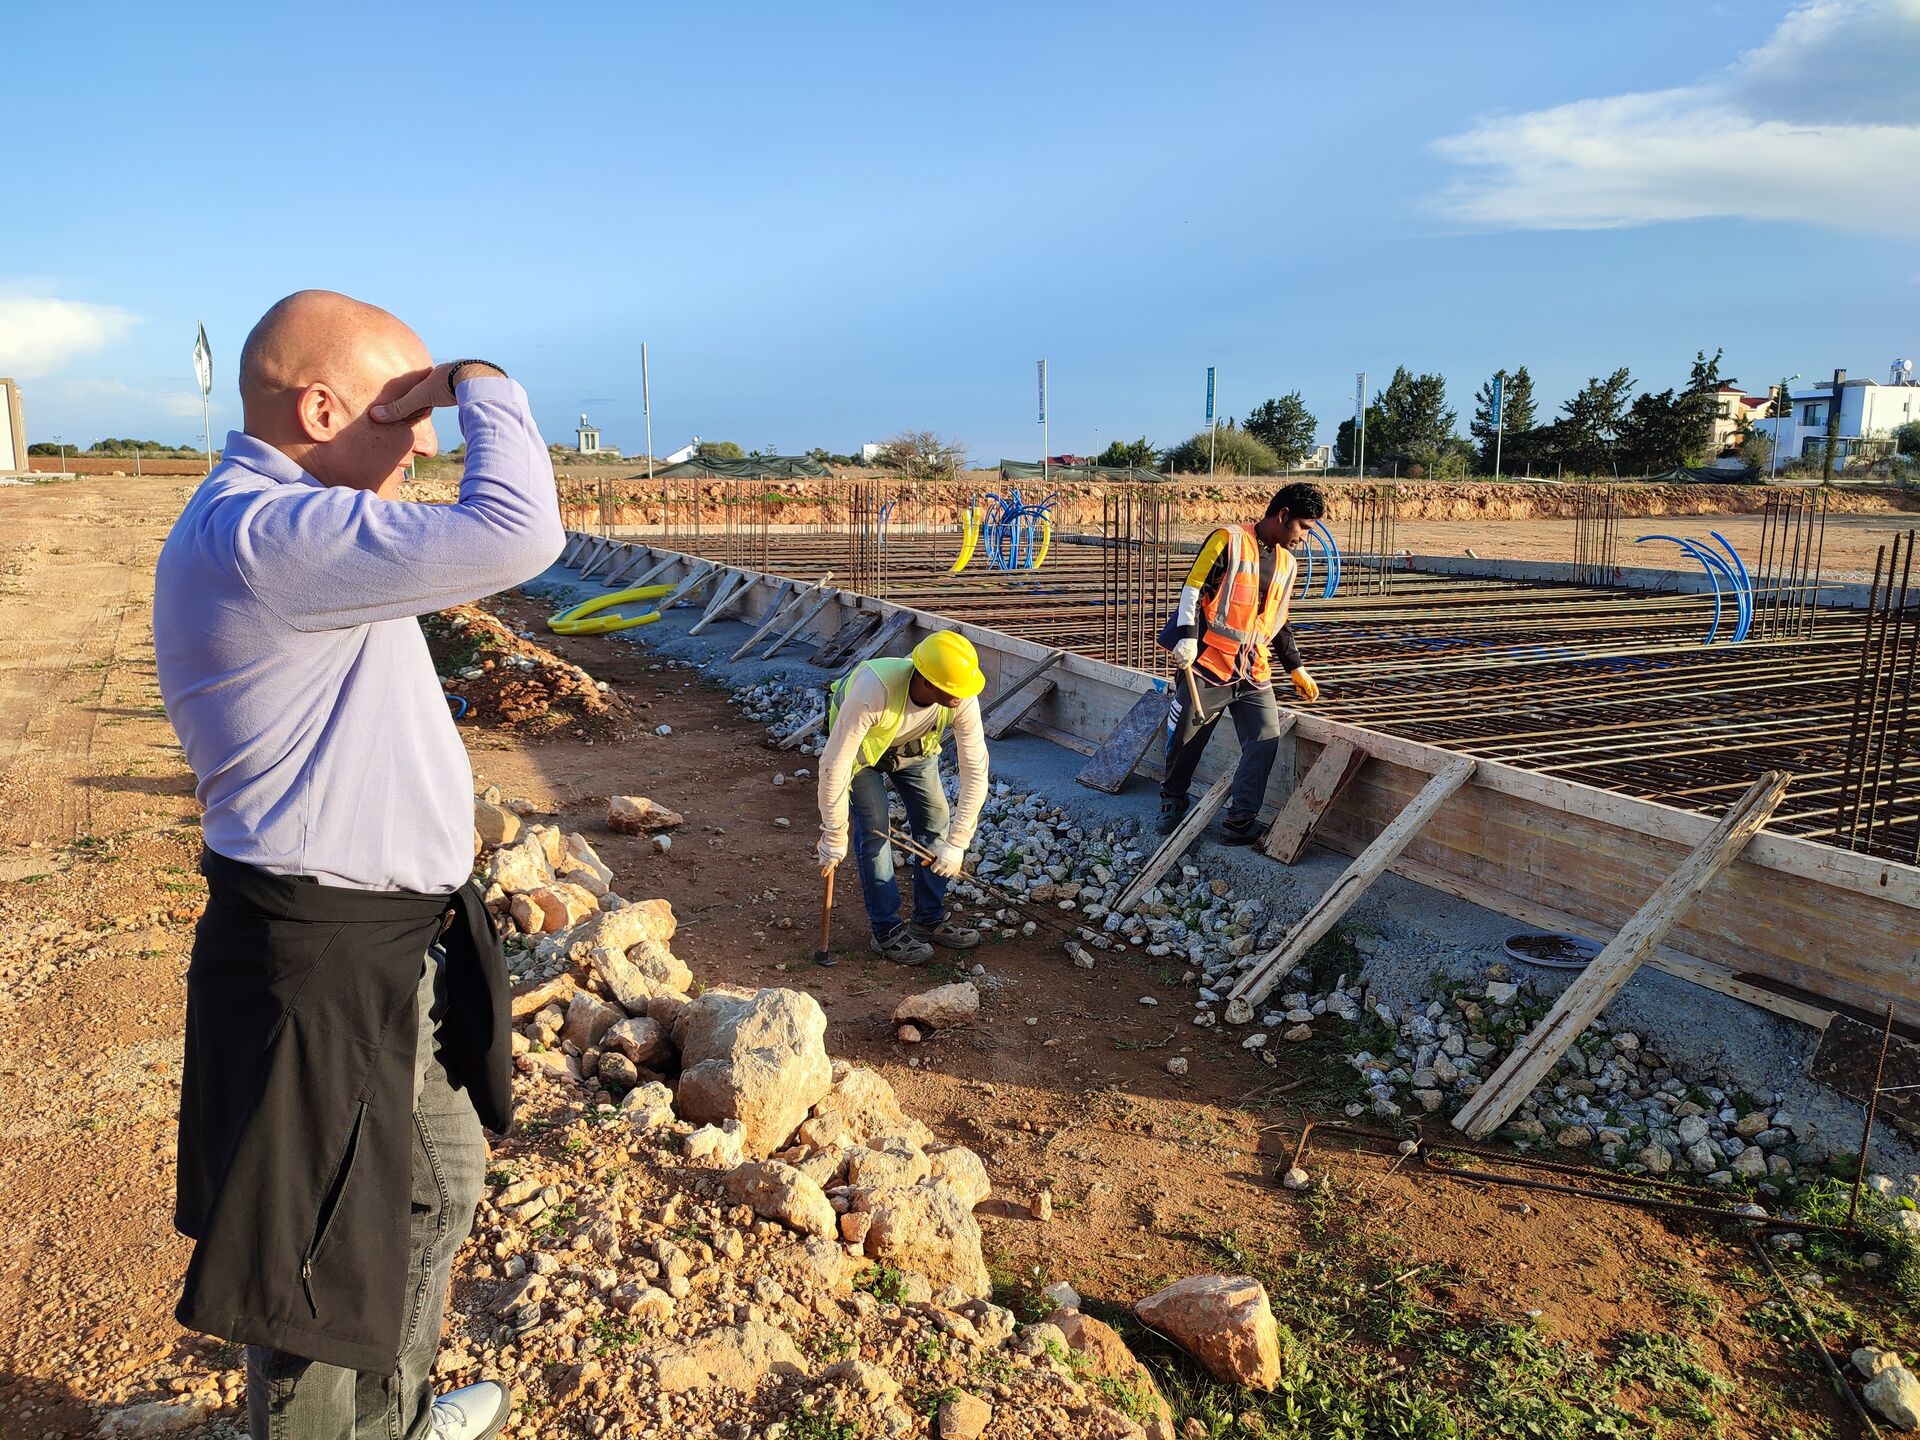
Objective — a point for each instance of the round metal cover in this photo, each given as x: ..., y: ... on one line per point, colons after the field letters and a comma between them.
x: 1552, y: 950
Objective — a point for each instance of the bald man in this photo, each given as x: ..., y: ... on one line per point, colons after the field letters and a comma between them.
x: 347, y: 1012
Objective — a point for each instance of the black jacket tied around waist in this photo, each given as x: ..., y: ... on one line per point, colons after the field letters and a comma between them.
x: 296, y: 1104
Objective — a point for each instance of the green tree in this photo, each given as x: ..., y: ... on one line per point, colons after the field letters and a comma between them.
x: 1128, y: 452
x: 1756, y: 450
x: 1656, y: 433
x: 1413, y: 419
x: 1696, y: 405
x: 720, y: 450
x: 1590, y: 422
x: 1235, y: 452
x: 1285, y: 426
x: 1516, y: 412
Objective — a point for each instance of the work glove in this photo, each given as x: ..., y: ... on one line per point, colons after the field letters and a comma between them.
x: 832, y: 849
x: 1304, y: 685
x: 946, y: 860
x: 1185, y: 652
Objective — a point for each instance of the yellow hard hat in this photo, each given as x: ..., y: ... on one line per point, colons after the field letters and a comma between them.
x: 948, y: 661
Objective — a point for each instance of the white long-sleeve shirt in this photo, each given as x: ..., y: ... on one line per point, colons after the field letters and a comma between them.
x: 864, y: 703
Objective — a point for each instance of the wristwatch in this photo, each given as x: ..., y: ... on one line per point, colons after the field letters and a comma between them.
x: 453, y: 371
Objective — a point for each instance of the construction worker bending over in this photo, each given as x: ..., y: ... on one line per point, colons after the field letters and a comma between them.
x: 886, y: 719
x: 1231, y: 618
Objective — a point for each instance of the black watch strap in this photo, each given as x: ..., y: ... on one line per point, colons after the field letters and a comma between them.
x: 454, y: 369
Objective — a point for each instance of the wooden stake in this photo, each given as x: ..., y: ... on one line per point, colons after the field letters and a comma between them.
x: 824, y: 955
x: 1033, y: 671
x: 1587, y: 996
x: 1339, y: 761
x: 1352, y: 884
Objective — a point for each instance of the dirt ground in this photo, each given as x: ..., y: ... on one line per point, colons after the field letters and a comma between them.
x: 1061, y: 1085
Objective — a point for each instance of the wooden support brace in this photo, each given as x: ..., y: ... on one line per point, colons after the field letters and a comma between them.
x: 1367, y: 867
x: 725, y: 596
x: 701, y: 573
x: 1338, y: 763
x: 820, y: 602
x: 1005, y: 720
x: 1588, y: 995
x: 831, y: 651
x: 1175, y: 845
x: 638, y: 556
x: 897, y: 625
x: 576, y: 543
x: 1026, y: 677
x: 789, y: 741
x: 783, y: 599
x: 646, y: 578
x: 595, y: 556
x: 1123, y: 748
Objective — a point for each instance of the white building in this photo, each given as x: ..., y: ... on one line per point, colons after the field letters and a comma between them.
x: 588, y: 437
x: 13, y: 430
x: 1318, y: 458
x: 1869, y: 410
x: 685, y: 452
x: 872, y: 451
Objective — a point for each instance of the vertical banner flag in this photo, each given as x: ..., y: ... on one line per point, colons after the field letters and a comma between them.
x: 203, y: 363
x: 1043, y: 392
x: 1210, y: 370
x: 1495, y: 416
x: 1360, y: 401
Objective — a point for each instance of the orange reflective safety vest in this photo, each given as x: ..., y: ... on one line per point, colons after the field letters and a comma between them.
x: 1239, y: 631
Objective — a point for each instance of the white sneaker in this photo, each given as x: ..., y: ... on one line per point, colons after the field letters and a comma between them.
x: 473, y: 1412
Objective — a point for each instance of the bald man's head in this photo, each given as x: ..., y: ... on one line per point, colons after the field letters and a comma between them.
x: 309, y: 371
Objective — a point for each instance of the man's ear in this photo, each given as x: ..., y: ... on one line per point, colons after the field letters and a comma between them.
x: 320, y: 413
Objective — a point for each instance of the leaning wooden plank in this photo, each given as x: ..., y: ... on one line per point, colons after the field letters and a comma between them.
x: 575, y: 546
x: 793, y: 738
x: 699, y: 576
x: 1032, y: 672
x: 725, y: 597
x: 778, y: 610
x: 596, y: 556
x: 1339, y: 762
x: 636, y: 559
x: 1004, y: 720
x: 831, y: 651
x: 820, y: 602
x: 897, y: 625
x: 1113, y: 762
x: 1175, y: 845
x: 1588, y: 995
x: 652, y: 572
x: 1352, y: 884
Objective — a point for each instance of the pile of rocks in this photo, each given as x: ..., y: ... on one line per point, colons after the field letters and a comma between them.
x: 785, y: 706
x: 1891, y: 1390
x: 719, y: 1230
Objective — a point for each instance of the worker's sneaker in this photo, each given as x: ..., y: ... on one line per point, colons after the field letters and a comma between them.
x: 1172, y: 812
x: 948, y: 935
x: 473, y: 1412
x: 1240, y: 832
x: 903, y: 947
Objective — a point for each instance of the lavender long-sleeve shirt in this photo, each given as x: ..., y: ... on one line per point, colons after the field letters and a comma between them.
x: 293, y: 668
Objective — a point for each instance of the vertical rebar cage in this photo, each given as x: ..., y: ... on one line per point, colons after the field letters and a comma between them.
x: 1793, y: 532
x: 1596, y: 533
x: 1371, y: 514
x: 1879, y: 806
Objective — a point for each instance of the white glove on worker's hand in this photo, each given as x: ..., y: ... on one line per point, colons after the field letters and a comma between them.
x: 946, y: 860
x: 1305, y: 685
x: 832, y: 848
x: 1185, y: 652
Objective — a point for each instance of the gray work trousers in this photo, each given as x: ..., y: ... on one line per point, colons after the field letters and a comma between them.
x: 289, y: 1398
x: 1256, y: 720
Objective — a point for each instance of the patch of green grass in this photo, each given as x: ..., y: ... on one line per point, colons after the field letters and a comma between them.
x: 883, y: 1282
x: 931, y: 1348
x: 609, y: 1333
x: 1689, y: 1303
x: 806, y: 1423
x: 823, y: 1347
x: 930, y: 1403
x: 1019, y: 1291
x: 553, y: 1223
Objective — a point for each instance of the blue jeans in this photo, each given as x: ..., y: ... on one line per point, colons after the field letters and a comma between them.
x: 918, y: 784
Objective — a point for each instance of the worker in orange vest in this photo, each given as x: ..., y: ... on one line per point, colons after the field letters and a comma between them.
x: 1231, y: 619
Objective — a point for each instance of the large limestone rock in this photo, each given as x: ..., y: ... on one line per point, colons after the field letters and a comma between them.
x: 887, y: 1160
x: 962, y: 1416
x: 637, y: 815
x: 496, y: 824
x: 927, y: 1229
x: 582, y: 855
x: 1895, y: 1395
x: 735, y: 1357
x: 759, y: 1058
x: 636, y: 975
x: 588, y: 1019
x: 624, y: 928
x: 779, y: 1192
x: 521, y: 868
x: 642, y: 1041
x: 1108, y: 1358
x: 1224, y: 1322
x: 940, y: 1008
x: 962, y: 1171
x: 860, y: 1107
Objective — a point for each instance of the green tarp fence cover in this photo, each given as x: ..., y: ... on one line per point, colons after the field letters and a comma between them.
x: 766, y: 467
x: 1023, y: 472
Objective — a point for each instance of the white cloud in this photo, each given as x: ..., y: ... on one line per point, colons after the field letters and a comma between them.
x: 118, y: 397
x: 1819, y: 124
x: 40, y: 334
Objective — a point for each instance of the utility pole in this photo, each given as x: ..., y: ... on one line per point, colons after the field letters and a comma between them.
x: 1833, y: 426
x: 1499, y: 422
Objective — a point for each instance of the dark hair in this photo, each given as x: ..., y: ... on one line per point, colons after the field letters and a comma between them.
x: 1300, y: 500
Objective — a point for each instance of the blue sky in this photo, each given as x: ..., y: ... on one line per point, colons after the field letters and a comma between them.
x: 831, y: 223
